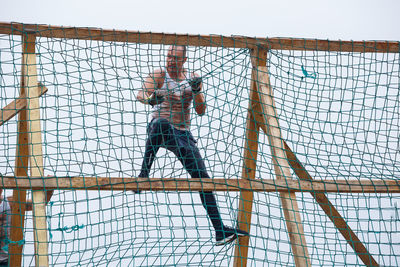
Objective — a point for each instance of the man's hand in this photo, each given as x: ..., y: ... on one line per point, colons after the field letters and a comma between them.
x: 154, y: 99
x: 195, y: 83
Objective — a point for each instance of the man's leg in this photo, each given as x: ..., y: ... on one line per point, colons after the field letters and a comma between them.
x: 159, y: 130
x: 189, y: 155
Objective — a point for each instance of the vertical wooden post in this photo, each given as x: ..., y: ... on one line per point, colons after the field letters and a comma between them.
x: 21, y: 169
x: 282, y: 168
x: 35, y: 151
x: 249, y: 166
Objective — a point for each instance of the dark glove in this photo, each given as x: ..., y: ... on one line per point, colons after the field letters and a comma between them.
x: 155, y: 99
x: 195, y: 83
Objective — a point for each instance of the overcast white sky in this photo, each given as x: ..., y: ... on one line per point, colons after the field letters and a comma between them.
x: 339, y: 19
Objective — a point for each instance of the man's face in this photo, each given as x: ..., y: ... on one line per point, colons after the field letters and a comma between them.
x: 175, y: 58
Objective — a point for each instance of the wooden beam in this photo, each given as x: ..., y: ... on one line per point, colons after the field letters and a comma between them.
x: 250, y: 153
x: 17, y: 105
x: 331, y: 212
x: 282, y: 169
x: 35, y: 152
x: 21, y: 169
x: 336, y: 186
x: 96, y: 34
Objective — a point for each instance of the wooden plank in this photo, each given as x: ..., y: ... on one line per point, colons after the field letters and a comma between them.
x: 21, y: 169
x: 35, y: 153
x: 199, y: 40
x: 331, y: 212
x: 345, y: 186
x: 17, y: 105
x: 250, y: 153
x: 282, y: 169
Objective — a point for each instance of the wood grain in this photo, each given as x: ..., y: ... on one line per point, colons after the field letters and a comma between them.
x: 367, y: 186
x: 300, y: 44
x: 35, y: 152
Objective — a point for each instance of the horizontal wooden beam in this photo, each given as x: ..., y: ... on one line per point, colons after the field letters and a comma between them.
x: 198, y: 40
x: 220, y: 184
x: 17, y: 105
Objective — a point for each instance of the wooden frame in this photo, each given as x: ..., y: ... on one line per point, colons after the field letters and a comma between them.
x: 261, y: 115
x: 21, y: 168
x: 199, y: 40
x: 281, y: 166
x: 28, y: 154
x: 300, y: 171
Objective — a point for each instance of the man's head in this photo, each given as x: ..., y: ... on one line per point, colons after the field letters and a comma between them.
x: 176, y: 57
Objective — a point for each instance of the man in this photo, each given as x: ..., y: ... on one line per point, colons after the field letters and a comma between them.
x: 171, y: 92
x: 5, y: 221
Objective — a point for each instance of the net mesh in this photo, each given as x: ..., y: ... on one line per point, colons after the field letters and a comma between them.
x: 338, y: 111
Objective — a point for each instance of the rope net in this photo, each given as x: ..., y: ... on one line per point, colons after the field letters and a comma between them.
x: 338, y: 111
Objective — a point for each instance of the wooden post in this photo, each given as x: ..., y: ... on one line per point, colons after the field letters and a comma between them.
x: 21, y: 169
x: 249, y: 167
x: 35, y: 151
x: 282, y: 168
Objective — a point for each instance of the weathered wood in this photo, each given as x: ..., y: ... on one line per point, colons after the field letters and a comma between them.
x: 35, y: 152
x: 282, y: 169
x: 331, y: 212
x: 199, y: 40
x: 366, y: 186
x: 248, y: 170
x: 17, y: 105
x: 21, y: 169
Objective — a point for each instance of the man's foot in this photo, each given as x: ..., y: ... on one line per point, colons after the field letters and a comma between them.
x: 141, y: 176
x: 227, y: 235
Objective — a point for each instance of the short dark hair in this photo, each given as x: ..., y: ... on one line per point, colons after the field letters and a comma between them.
x: 184, y: 48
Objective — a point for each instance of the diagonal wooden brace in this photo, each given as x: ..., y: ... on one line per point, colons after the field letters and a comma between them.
x: 17, y: 105
x: 322, y: 200
x: 325, y: 204
x: 332, y: 212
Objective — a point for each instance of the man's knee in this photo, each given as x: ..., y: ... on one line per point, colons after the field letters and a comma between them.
x: 188, y: 157
x: 192, y: 162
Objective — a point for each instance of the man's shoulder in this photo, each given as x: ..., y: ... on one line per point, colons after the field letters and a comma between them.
x: 159, y: 73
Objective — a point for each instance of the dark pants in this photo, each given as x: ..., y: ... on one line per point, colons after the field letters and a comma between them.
x: 162, y: 134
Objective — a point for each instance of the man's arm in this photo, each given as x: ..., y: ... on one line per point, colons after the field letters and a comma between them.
x: 150, y: 85
x: 199, y: 99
